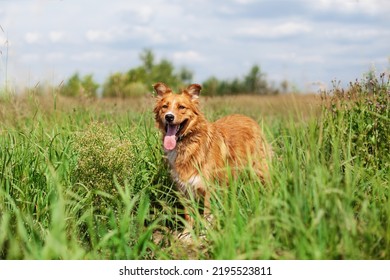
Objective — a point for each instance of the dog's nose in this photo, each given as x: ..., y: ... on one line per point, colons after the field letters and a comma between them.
x: 169, y: 117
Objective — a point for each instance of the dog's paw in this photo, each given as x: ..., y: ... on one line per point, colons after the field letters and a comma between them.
x: 209, y: 218
x: 185, y: 237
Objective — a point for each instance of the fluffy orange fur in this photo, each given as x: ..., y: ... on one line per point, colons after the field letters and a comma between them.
x: 198, y: 151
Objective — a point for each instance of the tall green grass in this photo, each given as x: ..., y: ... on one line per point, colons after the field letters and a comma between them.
x: 328, y: 197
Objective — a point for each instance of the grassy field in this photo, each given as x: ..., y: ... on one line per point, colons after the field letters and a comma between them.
x: 86, y: 179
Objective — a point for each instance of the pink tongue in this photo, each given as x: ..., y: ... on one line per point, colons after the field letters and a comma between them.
x: 170, y: 138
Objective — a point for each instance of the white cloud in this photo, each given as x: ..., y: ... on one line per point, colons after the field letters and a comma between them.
x: 88, y: 56
x: 56, y: 36
x: 243, y: 2
x: 32, y: 37
x: 291, y: 28
x: 272, y: 30
x: 139, y: 13
x: 54, y: 56
x: 187, y: 56
x: 355, y: 32
x: 99, y: 35
x: 148, y: 33
x: 295, y: 57
x: 352, y: 6
x: 117, y: 34
x: 30, y: 58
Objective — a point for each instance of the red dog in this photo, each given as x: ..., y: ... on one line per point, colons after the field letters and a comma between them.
x: 199, y: 151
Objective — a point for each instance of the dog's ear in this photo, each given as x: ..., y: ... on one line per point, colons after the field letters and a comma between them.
x: 194, y: 90
x: 161, y: 89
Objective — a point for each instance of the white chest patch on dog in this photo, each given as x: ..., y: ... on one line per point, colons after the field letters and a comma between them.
x: 190, y: 186
x: 171, y: 156
x: 194, y: 180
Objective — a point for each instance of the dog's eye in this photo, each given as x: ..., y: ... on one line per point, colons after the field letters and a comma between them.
x: 181, y: 107
x: 165, y: 106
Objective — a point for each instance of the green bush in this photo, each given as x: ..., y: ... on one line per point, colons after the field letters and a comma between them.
x: 77, y: 86
x: 102, y: 158
x: 135, y: 89
x: 361, y: 116
x: 138, y: 81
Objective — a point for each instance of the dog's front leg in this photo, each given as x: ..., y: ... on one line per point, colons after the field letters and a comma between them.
x: 206, y: 205
x: 190, y: 220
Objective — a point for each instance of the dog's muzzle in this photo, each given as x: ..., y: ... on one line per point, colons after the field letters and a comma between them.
x: 169, y: 118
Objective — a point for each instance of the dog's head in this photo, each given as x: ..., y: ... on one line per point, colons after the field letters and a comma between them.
x: 176, y: 114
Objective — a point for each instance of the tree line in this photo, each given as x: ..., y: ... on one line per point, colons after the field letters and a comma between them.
x: 137, y: 81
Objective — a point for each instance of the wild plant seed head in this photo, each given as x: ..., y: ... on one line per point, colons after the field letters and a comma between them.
x: 101, y: 157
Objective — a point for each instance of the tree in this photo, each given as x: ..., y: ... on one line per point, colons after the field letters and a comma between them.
x: 138, y: 74
x: 285, y: 85
x: 186, y: 75
x: 211, y: 86
x: 80, y: 87
x: 114, y: 85
x: 89, y: 86
x: 147, y: 58
x: 119, y: 85
x: 255, y: 82
x: 164, y: 72
x: 72, y: 87
x: 138, y: 80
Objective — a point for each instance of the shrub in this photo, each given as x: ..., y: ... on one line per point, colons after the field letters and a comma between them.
x: 80, y: 87
x: 101, y: 159
x: 360, y: 115
x: 135, y: 89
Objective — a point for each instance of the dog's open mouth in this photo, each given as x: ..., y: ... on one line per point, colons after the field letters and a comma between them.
x: 173, y: 132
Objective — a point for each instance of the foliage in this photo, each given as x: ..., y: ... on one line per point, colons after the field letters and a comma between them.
x: 101, y: 158
x: 361, y: 117
x: 254, y: 83
x: 119, y: 85
x: 80, y: 87
x: 138, y: 81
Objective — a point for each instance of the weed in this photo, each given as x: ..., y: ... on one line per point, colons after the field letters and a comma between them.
x: 360, y: 116
x: 100, y: 158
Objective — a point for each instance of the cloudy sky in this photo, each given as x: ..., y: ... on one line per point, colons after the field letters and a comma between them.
x: 302, y: 41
